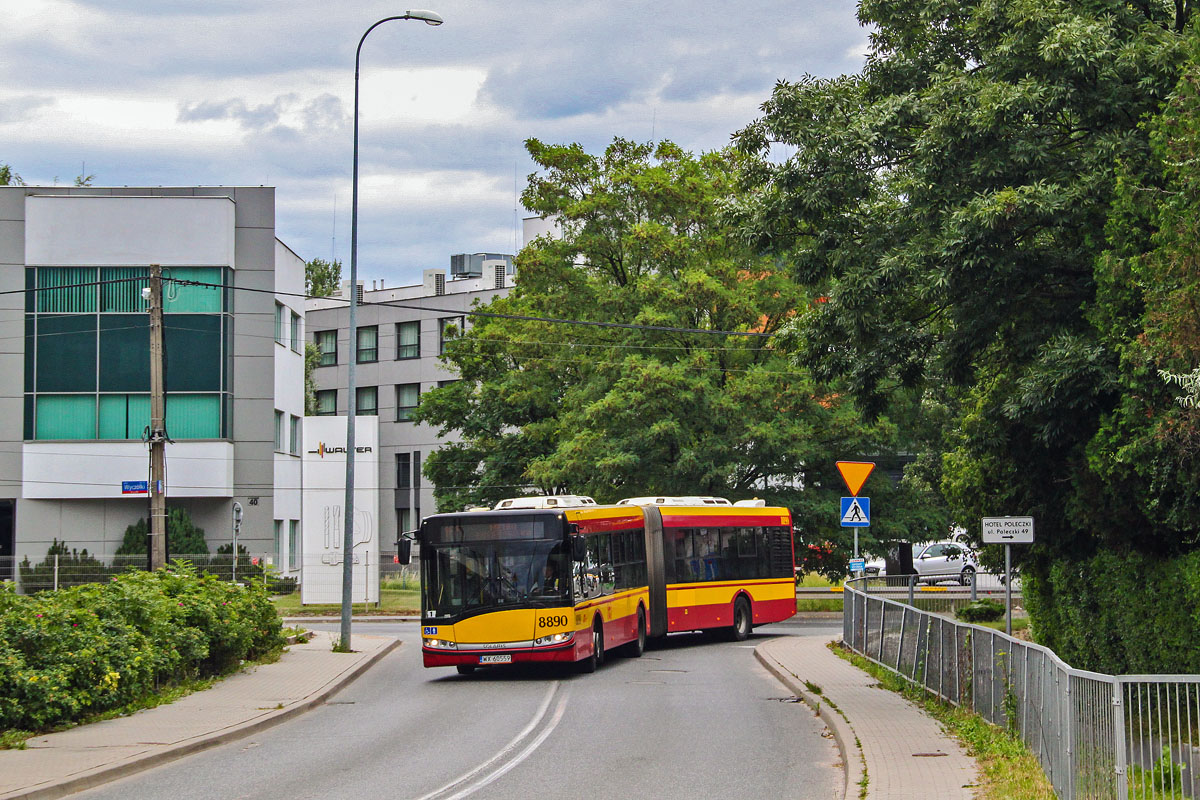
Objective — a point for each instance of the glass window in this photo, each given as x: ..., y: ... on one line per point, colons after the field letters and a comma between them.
x: 73, y: 297
x: 192, y: 343
x: 449, y: 329
x: 326, y: 402
x: 296, y: 337
x: 66, y: 353
x: 408, y: 395
x: 124, y: 416
x: 194, y: 416
x: 403, y: 472
x: 405, y: 519
x: 121, y: 289
x: 368, y: 344
x: 278, y: 541
x: 65, y: 416
x: 367, y: 401
x: 294, y: 544
x: 408, y: 340
x: 278, y: 431
x: 327, y: 344
x: 184, y: 298
x: 295, y: 437
x: 444, y: 384
x: 280, y: 321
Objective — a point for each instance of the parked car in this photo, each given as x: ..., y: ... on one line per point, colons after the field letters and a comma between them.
x: 935, y: 562
x: 941, y: 561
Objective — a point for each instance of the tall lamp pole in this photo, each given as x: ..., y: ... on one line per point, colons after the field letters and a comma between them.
x: 430, y: 18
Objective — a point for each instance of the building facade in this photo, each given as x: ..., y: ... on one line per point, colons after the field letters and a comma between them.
x: 74, y: 350
x: 396, y: 361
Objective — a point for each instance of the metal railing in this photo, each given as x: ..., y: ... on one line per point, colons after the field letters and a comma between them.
x: 58, y: 571
x: 1095, y: 735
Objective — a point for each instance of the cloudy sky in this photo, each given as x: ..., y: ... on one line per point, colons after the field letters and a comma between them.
x: 261, y: 92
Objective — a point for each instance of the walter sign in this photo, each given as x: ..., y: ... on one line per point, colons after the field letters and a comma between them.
x: 1008, y: 530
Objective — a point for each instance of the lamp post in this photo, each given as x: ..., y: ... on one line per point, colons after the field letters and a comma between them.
x: 430, y: 18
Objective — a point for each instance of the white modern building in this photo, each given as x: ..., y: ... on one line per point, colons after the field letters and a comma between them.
x: 74, y: 355
x: 396, y: 361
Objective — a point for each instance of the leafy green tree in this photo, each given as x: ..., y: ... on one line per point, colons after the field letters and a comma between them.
x: 8, y: 177
x: 321, y: 277
x: 951, y: 202
x: 183, y: 537
x: 665, y: 408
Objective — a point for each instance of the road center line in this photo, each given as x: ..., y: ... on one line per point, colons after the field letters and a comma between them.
x: 512, y: 745
x: 524, y: 754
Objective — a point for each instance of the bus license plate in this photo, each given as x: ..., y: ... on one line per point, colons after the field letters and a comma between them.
x: 495, y: 659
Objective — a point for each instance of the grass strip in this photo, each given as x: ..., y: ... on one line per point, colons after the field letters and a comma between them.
x: 1008, y: 769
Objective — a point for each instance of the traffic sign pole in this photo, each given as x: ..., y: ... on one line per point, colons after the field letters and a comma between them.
x: 1008, y: 588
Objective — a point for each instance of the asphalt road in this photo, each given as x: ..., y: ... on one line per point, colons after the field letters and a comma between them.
x: 694, y: 717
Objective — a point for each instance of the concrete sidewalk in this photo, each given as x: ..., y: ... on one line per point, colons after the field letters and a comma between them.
x: 306, y: 675
x: 902, y: 751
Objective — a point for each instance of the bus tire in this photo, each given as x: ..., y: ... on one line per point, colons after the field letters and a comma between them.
x: 638, y: 646
x: 592, y: 662
x: 465, y: 669
x: 740, y: 630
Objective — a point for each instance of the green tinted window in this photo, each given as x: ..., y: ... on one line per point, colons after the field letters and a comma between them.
x: 65, y: 417
x: 66, y: 353
x: 73, y: 298
x: 193, y: 348
x: 124, y: 416
x: 194, y: 416
x: 124, y: 353
x: 181, y: 298
x: 121, y: 289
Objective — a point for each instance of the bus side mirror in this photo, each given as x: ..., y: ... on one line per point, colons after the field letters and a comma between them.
x: 578, y: 548
x: 404, y: 550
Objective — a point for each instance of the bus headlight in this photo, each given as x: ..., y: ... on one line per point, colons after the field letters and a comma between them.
x: 441, y: 644
x: 554, y: 638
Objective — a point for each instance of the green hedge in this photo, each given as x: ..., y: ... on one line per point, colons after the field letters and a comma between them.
x: 1119, y: 613
x: 79, y: 651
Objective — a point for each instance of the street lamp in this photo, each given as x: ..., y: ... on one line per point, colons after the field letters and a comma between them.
x: 430, y: 18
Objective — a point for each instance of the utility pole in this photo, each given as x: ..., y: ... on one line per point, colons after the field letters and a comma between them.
x: 157, y: 547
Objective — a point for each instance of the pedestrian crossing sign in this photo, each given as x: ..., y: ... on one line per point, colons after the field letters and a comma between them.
x: 856, y: 512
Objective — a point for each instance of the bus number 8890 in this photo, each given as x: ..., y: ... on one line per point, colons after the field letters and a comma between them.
x: 553, y: 621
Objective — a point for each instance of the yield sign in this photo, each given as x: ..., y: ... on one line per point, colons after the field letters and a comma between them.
x: 855, y: 473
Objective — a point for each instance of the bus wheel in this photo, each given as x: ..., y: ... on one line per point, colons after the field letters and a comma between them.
x: 741, y: 620
x: 593, y: 661
x: 638, y: 646
x: 465, y: 669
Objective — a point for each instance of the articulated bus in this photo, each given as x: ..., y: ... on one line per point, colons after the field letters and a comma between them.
x: 569, y: 580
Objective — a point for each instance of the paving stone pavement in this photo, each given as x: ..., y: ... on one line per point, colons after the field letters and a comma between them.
x: 307, y: 674
x: 904, y: 751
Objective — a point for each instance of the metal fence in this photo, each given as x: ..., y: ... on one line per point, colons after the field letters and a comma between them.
x: 59, y: 571
x: 1096, y: 736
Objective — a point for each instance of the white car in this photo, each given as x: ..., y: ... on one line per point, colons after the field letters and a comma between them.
x: 942, y: 561
x: 935, y: 562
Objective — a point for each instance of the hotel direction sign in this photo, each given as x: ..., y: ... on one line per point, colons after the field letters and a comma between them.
x: 1008, y: 530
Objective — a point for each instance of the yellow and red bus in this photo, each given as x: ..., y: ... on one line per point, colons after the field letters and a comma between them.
x: 568, y: 584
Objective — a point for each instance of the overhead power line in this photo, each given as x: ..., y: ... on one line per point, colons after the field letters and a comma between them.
x: 417, y: 307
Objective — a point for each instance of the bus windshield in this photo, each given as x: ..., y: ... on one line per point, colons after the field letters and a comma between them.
x: 480, y: 576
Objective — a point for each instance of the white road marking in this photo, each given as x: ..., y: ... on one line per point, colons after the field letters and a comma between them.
x: 508, y: 748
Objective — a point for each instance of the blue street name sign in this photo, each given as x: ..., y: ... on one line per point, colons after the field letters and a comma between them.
x: 135, y: 487
x: 856, y: 512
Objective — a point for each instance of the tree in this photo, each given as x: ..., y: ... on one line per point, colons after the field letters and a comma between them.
x: 183, y: 537
x: 322, y: 278
x: 8, y: 177
x: 665, y: 408
x: 951, y: 202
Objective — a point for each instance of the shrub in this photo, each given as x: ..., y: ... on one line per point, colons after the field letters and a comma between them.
x: 183, y: 537
x: 982, y: 610
x: 75, y: 567
x: 97, y: 647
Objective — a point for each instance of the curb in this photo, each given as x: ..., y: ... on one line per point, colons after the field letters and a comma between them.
x: 843, y: 733
x: 106, y: 774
